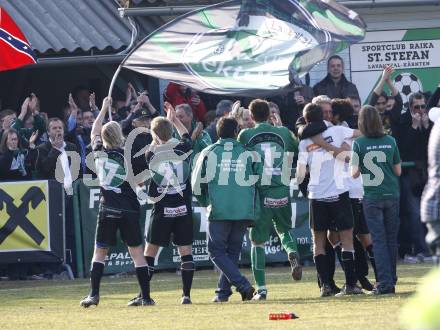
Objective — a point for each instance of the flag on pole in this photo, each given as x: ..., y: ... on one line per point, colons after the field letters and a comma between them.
x: 15, y: 50
x: 246, y: 47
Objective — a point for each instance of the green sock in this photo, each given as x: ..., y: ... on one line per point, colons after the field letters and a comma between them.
x: 258, y: 259
x: 289, y: 244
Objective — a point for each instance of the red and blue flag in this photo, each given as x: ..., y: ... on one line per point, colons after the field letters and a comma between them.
x: 15, y: 50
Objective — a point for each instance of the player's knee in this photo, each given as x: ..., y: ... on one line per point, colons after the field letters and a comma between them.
x: 137, y: 255
x: 99, y: 254
x: 185, y: 250
x: 365, y: 239
x: 318, y: 249
x: 187, y: 263
x: 346, y: 239
x: 151, y: 250
x: 333, y: 237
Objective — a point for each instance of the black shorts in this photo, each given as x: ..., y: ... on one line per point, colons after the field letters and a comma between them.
x: 110, y: 221
x: 333, y: 214
x: 171, y: 224
x: 360, y: 225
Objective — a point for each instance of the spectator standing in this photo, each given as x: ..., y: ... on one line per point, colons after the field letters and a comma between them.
x: 325, y: 103
x: 412, y: 139
x: 49, y: 152
x: 79, y: 126
x: 356, y: 104
x: 178, y: 94
x: 14, y: 160
x: 292, y: 100
x: 29, y: 113
x: 7, y: 118
x: 81, y: 96
x: 49, y: 155
x: 141, y: 122
x: 335, y: 84
x: 224, y: 107
x: 199, y: 137
x: 142, y: 108
x: 242, y: 116
x: 14, y: 166
x: 381, y: 193
x: 379, y: 100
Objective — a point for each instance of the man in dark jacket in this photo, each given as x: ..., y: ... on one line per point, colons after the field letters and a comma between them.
x: 413, y: 130
x: 51, y: 155
x: 292, y: 100
x: 49, y: 152
x: 335, y: 84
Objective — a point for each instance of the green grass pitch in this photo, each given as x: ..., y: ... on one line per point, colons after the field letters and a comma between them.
x: 55, y: 304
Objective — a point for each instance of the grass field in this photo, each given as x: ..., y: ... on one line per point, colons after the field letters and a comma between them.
x: 55, y: 304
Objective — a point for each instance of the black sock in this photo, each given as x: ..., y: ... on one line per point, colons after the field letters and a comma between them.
x: 150, y: 264
x: 349, y: 270
x: 331, y: 262
x: 95, y: 277
x: 321, y: 264
x: 338, y: 252
x: 360, y: 259
x: 372, y: 260
x: 187, y: 269
x: 144, y: 281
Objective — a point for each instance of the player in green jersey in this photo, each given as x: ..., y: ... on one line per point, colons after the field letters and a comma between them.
x: 277, y: 147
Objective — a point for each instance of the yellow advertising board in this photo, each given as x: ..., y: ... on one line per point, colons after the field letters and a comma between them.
x: 24, y: 216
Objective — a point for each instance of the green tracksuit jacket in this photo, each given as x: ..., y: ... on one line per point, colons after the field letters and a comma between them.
x: 224, y: 179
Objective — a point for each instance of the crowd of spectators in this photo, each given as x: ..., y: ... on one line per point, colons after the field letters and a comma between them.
x: 31, y: 143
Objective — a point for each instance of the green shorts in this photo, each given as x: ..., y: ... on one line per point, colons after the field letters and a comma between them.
x: 276, y: 209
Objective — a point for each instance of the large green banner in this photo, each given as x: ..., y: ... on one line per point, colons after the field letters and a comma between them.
x: 119, y: 261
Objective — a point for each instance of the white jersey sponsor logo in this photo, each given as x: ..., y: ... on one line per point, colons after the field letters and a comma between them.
x: 274, y: 203
x: 172, y: 212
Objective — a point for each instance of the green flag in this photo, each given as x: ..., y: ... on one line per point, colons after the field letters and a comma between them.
x: 246, y: 47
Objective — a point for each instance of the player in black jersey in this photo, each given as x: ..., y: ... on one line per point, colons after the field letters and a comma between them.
x: 170, y: 190
x: 118, y: 207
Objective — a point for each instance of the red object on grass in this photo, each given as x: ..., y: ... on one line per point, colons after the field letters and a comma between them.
x: 282, y: 316
x: 15, y: 50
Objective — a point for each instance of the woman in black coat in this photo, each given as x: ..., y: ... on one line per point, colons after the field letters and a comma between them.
x: 14, y: 160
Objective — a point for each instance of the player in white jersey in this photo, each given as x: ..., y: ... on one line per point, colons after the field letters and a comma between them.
x: 330, y: 207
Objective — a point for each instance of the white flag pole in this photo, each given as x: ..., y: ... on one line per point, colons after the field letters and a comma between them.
x: 112, y: 84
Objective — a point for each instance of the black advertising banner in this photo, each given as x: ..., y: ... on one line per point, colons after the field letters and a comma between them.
x: 31, y: 222
x: 119, y: 260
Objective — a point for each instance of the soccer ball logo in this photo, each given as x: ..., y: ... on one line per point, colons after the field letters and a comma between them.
x: 407, y: 83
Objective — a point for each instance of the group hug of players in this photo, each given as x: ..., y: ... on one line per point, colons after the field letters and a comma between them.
x: 244, y: 181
